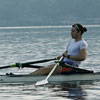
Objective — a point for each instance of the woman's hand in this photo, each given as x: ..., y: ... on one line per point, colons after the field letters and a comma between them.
x: 65, y: 54
x: 58, y: 57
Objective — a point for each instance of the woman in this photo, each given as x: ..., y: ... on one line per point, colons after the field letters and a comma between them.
x: 75, y: 53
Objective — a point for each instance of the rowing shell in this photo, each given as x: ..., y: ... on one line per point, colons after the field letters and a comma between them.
x: 53, y: 78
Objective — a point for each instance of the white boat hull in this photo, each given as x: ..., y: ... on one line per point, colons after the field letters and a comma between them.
x: 53, y: 78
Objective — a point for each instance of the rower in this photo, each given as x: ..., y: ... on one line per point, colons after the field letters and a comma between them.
x: 75, y: 53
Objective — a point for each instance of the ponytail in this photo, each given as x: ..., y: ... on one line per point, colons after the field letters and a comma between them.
x: 84, y: 29
x: 79, y: 27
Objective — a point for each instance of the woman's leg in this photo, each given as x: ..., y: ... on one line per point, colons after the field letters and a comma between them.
x: 46, y: 70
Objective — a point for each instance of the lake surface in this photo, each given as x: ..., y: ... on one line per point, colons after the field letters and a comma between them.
x: 23, y: 44
x: 38, y: 29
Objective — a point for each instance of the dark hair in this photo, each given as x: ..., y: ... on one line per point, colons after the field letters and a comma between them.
x: 79, y: 27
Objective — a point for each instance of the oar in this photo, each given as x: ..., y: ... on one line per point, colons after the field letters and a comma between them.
x: 33, y: 66
x: 45, y: 81
x: 26, y: 64
x: 40, y: 61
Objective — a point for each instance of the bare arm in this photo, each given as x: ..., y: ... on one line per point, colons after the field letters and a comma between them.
x: 80, y: 57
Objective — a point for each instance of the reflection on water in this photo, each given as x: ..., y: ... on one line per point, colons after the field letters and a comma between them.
x: 63, y: 91
x: 72, y: 91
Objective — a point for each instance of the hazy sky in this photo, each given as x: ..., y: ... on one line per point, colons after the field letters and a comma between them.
x: 31, y: 12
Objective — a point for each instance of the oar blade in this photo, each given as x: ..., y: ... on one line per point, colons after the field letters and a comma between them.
x: 43, y: 82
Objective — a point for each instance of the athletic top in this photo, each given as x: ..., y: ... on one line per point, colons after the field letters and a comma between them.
x: 74, y: 48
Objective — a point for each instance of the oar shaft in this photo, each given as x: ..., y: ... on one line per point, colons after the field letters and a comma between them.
x: 45, y: 81
x: 4, y: 67
x: 40, y: 61
x: 33, y: 66
x: 51, y: 72
x: 27, y: 63
x: 53, y: 69
x: 28, y: 66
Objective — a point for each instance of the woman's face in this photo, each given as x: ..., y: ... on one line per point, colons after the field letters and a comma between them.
x: 74, y: 33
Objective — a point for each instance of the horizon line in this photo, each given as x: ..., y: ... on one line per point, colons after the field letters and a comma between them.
x: 55, y: 26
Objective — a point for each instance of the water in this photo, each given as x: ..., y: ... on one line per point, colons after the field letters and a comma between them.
x: 38, y: 29
x: 34, y: 43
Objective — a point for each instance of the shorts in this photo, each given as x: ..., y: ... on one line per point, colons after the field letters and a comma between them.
x: 73, y: 64
x: 68, y: 69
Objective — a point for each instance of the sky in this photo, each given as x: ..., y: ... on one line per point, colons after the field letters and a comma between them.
x: 45, y: 12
